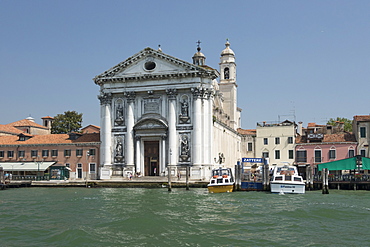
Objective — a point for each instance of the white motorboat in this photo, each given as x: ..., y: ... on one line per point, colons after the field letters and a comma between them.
x: 285, y: 179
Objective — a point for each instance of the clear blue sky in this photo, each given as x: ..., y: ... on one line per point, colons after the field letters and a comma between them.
x: 307, y: 58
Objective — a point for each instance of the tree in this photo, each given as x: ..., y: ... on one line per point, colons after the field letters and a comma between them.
x: 70, y: 121
x: 346, y: 121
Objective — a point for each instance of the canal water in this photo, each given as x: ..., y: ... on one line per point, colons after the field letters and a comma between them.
x: 156, y: 217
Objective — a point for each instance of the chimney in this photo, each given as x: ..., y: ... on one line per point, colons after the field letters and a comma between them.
x: 299, y: 131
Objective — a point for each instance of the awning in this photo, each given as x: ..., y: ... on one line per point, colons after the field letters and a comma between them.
x: 365, y: 163
x: 26, y: 166
x: 345, y: 164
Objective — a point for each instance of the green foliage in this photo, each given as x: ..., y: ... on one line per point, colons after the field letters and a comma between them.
x: 70, y: 121
x: 346, y: 121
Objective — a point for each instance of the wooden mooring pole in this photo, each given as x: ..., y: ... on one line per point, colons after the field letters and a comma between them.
x: 187, y: 174
x: 325, y: 181
x: 169, y: 178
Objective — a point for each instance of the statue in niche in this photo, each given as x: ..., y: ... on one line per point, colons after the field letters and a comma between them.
x: 184, y: 115
x: 185, y: 150
x: 119, y: 115
x: 119, y: 151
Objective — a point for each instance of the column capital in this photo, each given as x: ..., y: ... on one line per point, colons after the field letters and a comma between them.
x: 171, y: 93
x: 105, y: 98
x: 130, y: 95
x: 202, y: 92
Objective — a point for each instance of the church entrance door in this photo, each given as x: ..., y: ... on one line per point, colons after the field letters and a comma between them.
x: 151, y: 158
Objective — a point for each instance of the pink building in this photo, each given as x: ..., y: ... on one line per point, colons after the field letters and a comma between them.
x: 323, y: 143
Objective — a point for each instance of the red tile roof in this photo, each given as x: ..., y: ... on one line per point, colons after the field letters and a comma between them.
x: 362, y: 118
x: 49, y: 139
x: 9, y: 130
x: 247, y: 131
x: 26, y: 123
x: 339, y: 137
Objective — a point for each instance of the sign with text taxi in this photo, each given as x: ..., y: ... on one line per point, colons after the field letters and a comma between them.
x: 253, y: 160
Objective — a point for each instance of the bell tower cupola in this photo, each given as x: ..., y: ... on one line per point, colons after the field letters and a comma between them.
x: 199, y: 58
x: 227, y: 65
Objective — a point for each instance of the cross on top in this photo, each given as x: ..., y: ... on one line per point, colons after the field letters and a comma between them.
x: 198, y: 42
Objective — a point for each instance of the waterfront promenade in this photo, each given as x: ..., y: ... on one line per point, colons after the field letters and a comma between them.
x: 119, y: 182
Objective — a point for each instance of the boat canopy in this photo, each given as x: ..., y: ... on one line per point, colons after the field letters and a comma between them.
x: 345, y: 164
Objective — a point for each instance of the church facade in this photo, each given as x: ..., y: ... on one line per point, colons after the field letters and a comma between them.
x: 158, y: 111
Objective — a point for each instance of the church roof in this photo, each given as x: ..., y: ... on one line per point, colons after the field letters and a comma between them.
x: 184, y: 69
x: 26, y: 123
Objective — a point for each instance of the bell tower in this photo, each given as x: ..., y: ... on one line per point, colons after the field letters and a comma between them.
x: 228, y: 85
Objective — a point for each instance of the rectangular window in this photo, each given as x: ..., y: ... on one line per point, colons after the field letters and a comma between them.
x: 250, y: 146
x: 67, y: 165
x: 265, y: 154
x: 332, y: 154
x: 45, y: 153
x: 277, y: 140
x: 301, y: 156
x: 79, y: 152
x: 363, y: 132
x: 290, y: 140
x: 317, y: 156
x: 92, y: 167
x: 21, y: 153
x: 1, y: 154
x: 351, y: 153
x: 10, y: 154
x: 34, y: 153
x: 277, y: 154
x: 291, y: 154
x: 265, y: 141
x: 92, y: 151
x: 67, y: 153
x: 363, y: 153
x: 54, y: 153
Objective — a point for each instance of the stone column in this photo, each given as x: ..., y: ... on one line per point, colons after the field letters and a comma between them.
x: 171, y: 93
x: 197, y: 126
x: 130, y: 129
x: 106, y: 135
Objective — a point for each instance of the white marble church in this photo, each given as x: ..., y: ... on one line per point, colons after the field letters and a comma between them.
x: 159, y: 111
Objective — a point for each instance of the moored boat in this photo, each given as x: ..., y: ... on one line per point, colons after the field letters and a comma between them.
x: 286, y: 179
x: 222, y: 180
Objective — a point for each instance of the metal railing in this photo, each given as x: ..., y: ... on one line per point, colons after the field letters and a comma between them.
x: 344, y: 178
x: 30, y: 177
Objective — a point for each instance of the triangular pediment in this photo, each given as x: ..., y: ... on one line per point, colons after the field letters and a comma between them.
x: 153, y: 64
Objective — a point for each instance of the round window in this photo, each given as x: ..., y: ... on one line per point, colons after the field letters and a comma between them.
x: 150, y: 65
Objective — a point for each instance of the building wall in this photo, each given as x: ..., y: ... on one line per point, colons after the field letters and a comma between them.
x: 271, y: 132
x: 73, y: 160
